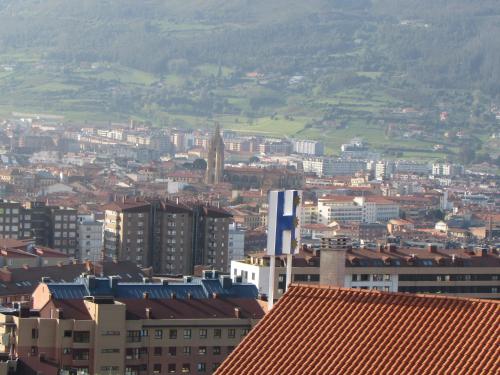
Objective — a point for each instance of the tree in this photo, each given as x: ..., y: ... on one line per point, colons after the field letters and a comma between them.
x: 200, y: 164
x: 253, y: 159
x: 466, y: 154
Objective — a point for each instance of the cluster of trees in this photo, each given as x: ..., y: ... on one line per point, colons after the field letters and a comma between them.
x: 443, y: 43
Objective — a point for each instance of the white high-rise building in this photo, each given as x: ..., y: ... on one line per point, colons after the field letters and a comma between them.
x: 343, y: 209
x: 308, y: 147
x: 236, y: 243
x: 89, y: 237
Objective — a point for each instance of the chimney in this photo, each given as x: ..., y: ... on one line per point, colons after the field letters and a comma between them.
x: 392, y: 247
x: 148, y: 313
x: 26, y: 267
x: 189, y: 296
x: 481, y: 251
x: 215, y: 295
x: 237, y: 312
x: 24, y: 311
x: 59, y: 314
x: 432, y: 248
x: 145, y: 295
x: 5, y: 275
x: 173, y: 295
x: 164, y: 282
x: 332, y: 260
x: 380, y: 247
x: 113, y: 281
x: 226, y: 282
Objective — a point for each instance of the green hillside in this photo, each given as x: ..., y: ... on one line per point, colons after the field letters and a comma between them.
x: 350, y: 63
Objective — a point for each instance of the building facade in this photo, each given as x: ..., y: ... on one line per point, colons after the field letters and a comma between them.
x: 188, y: 332
x: 89, y: 238
x: 47, y: 225
x: 389, y: 268
x: 170, y: 237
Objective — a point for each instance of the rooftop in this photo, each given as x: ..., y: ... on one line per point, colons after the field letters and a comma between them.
x: 326, y: 330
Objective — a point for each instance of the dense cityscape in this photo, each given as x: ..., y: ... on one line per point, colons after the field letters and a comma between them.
x: 249, y: 188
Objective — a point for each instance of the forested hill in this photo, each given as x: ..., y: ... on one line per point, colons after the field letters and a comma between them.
x: 439, y: 43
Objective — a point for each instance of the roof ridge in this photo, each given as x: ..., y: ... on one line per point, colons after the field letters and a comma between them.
x: 420, y: 295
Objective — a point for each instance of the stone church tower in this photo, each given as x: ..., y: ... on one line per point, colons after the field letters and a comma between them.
x: 215, y: 162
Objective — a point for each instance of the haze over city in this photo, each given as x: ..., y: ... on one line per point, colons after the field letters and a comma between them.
x: 249, y: 187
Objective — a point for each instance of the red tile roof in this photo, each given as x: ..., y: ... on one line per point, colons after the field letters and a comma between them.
x: 322, y: 330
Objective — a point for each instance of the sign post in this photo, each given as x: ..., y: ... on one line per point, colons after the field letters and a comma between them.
x: 283, y: 234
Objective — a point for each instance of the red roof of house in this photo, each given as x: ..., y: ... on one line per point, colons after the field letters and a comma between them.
x: 326, y: 330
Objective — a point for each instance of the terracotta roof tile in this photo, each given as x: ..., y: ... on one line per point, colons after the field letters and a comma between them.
x: 322, y: 330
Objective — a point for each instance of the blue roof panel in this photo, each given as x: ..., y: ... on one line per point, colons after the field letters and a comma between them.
x: 67, y: 291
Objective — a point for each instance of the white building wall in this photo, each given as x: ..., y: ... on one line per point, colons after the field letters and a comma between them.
x: 253, y: 274
x: 236, y: 243
x: 90, y: 233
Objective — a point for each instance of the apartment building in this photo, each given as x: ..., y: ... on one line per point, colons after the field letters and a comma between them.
x: 127, y: 229
x: 447, y: 169
x: 309, y: 213
x: 370, y: 209
x: 210, y: 237
x: 51, y: 226
x: 63, y: 230
x: 173, y: 238
x: 308, y: 147
x: 327, y: 166
x: 186, y: 330
x: 389, y: 268
x: 89, y: 237
x: 170, y: 237
x: 340, y: 209
x: 236, y: 243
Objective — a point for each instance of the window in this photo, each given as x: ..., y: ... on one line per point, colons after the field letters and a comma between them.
x: 215, y: 365
x: 158, y: 333
x: 387, y: 277
x: 172, y: 334
x: 171, y: 368
x: 34, y: 350
x: 253, y: 276
x: 172, y: 351
x: 135, y: 353
x: 203, y: 333
x: 202, y: 367
x: 109, y: 351
x: 187, y: 333
x: 186, y: 368
x: 217, y: 333
x: 34, y: 333
x: 67, y: 351
x: 134, y: 336
x: 245, y: 332
x: 81, y: 336
x: 202, y: 350
x: 378, y: 277
x: 231, y: 333
x: 80, y: 354
x: 364, y: 277
x: 186, y: 350
x: 104, y: 333
x: 157, y: 350
x: 216, y: 350
x: 156, y: 368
